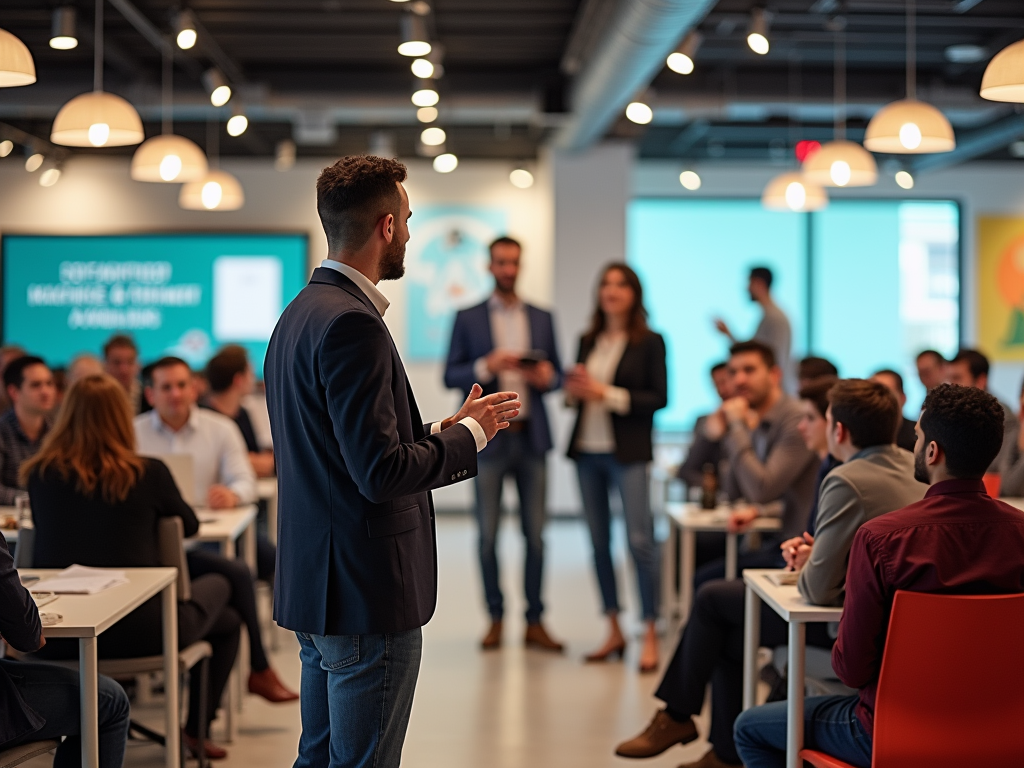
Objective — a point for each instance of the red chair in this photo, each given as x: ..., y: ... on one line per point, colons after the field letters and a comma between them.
x: 993, y: 481
x: 951, y: 689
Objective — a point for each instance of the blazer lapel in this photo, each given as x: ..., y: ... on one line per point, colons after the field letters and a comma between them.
x: 334, y: 277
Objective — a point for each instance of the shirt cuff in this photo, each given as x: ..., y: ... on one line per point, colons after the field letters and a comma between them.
x: 478, y: 432
x: 483, y: 375
x: 435, y: 428
x: 617, y: 400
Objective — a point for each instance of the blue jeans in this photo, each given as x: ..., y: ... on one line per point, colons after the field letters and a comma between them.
x: 830, y: 726
x: 356, y: 697
x: 598, y: 474
x: 53, y: 693
x: 510, y: 454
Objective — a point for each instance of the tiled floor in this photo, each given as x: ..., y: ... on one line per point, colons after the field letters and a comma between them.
x: 506, y: 709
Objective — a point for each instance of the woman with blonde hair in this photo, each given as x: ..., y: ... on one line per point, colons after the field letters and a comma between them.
x: 96, y: 502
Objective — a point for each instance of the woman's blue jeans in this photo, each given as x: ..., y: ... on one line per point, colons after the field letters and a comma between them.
x: 599, y: 473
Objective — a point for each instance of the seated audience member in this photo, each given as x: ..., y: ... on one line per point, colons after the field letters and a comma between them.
x: 41, y: 701
x: 970, y: 369
x: 811, y: 368
x: 957, y: 540
x: 906, y: 437
x: 231, y: 380
x: 703, y: 451
x: 813, y: 429
x: 931, y: 369
x: 223, y: 479
x: 121, y: 359
x: 82, y: 366
x: 87, y: 482
x: 874, y: 480
x: 29, y: 387
x: 768, y: 461
x: 7, y: 355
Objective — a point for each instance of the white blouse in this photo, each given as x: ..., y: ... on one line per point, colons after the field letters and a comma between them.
x: 596, y: 434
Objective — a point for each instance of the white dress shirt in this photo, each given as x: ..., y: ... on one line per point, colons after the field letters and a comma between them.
x: 378, y: 300
x: 596, y: 434
x: 215, y: 444
x: 510, y: 330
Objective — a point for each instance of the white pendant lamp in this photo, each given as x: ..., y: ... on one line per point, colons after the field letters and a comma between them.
x: 1004, y: 76
x: 216, y: 191
x: 97, y: 119
x: 167, y: 158
x: 841, y: 163
x: 793, y: 192
x: 909, y: 127
x: 16, y: 64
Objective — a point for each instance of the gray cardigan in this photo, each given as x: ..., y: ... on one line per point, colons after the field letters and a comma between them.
x: 876, y: 480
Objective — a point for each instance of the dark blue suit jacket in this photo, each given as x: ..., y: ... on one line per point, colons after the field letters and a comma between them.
x: 471, y: 340
x: 355, y: 551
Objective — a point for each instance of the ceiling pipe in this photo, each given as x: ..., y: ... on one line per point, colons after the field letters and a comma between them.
x: 632, y: 50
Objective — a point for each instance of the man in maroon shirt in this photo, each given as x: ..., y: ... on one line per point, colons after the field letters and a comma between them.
x: 957, y: 540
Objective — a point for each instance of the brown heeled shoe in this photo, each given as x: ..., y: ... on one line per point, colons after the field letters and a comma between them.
x: 617, y: 651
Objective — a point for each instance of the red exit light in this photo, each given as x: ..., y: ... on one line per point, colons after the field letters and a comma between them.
x: 805, y: 149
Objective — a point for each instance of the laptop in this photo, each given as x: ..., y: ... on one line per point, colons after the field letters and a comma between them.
x: 182, y: 466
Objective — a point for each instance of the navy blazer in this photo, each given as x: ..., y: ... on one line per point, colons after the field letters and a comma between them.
x: 356, y: 552
x: 471, y: 340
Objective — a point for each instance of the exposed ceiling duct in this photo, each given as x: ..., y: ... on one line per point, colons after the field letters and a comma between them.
x: 632, y: 50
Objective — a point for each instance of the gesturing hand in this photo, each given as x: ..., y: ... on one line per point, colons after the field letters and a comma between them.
x: 491, y: 412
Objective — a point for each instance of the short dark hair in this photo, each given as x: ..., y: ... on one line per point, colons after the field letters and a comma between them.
x: 120, y: 340
x: 767, y: 353
x: 977, y: 363
x: 931, y: 353
x: 763, y: 274
x: 222, y: 368
x: 164, y: 362
x: 14, y: 373
x: 896, y: 377
x: 869, y: 410
x: 504, y: 240
x: 353, y: 194
x: 967, y: 424
x: 723, y: 366
x: 813, y: 367
x: 816, y: 392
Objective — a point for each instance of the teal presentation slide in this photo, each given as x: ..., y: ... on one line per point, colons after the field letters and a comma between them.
x: 175, y: 294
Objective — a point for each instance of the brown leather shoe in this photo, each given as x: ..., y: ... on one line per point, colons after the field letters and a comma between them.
x: 268, y: 685
x: 710, y: 760
x: 662, y: 733
x: 492, y: 639
x: 538, y: 637
x: 213, y: 752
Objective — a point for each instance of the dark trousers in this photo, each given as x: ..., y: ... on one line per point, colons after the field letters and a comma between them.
x: 243, y: 596
x: 711, y: 651
x: 207, y: 616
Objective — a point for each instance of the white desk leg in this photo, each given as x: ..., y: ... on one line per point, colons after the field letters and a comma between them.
x: 795, y: 694
x: 730, y: 556
x: 686, y: 577
x: 172, y: 719
x: 669, y: 564
x: 751, y: 642
x: 88, y: 693
x: 228, y: 549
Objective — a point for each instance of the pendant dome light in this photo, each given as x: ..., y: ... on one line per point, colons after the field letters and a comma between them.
x: 16, y: 64
x: 97, y: 119
x: 841, y: 163
x: 793, y: 192
x: 217, y: 190
x: 167, y: 158
x: 909, y: 126
x: 1004, y: 76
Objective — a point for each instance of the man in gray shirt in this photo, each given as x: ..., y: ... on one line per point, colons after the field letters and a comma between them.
x: 774, y: 329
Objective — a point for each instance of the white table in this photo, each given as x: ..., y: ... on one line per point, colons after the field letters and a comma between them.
x: 266, y: 489
x: 688, y: 519
x: 787, y: 602
x: 224, y: 527
x: 86, y: 616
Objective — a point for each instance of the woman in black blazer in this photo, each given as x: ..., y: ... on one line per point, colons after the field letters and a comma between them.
x: 619, y: 381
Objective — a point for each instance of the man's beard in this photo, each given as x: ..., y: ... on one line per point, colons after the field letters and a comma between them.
x: 392, y: 262
x: 921, y: 467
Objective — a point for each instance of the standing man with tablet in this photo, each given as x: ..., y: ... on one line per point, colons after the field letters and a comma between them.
x: 506, y: 344
x: 357, y: 564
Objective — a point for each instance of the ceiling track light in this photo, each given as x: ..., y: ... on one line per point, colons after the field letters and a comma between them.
x: 690, y: 180
x: 521, y: 178
x: 639, y: 112
x: 237, y: 124
x: 50, y: 176
x: 415, y: 38
x: 217, y: 86
x: 34, y: 161
x: 446, y: 163
x: 63, y: 34
x: 185, y: 33
x: 905, y: 179
x: 757, y: 34
x: 681, y: 61
x: 433, y: 137
x: 16, y: 64
x: 284, y: 155
x: 425, y: 94
x: 6, y: 147
x: 426, y: 114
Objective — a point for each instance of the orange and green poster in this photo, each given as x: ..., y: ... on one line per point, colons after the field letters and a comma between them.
x: 1001, y: 287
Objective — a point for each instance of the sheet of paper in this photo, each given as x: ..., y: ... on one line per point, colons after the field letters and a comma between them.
x: 81, y: 580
